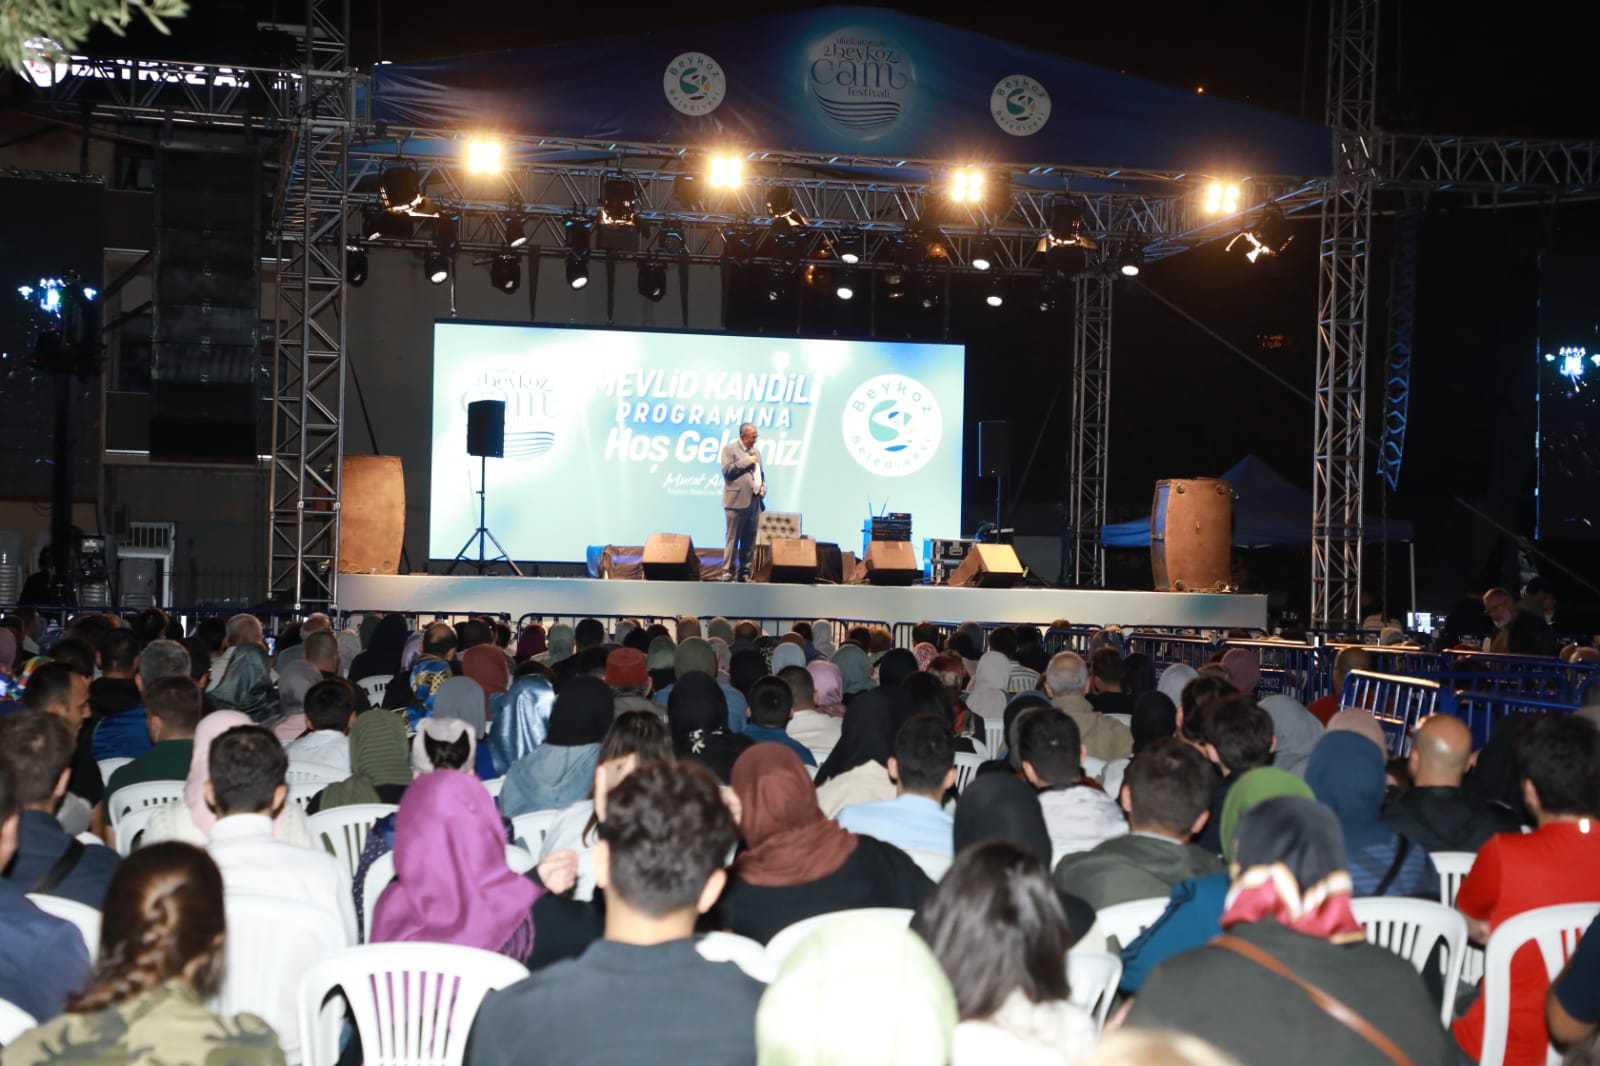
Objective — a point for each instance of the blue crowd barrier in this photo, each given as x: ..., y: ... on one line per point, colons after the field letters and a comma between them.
x: 1396, y: 701
x: 1482, y: 711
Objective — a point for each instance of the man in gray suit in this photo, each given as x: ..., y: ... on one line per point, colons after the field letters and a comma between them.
x: 743, y: 486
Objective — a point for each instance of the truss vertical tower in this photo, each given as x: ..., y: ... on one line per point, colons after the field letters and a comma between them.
x: 1091, y: 421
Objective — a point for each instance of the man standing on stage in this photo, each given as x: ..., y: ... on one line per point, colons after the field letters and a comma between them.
x: 742, y: 490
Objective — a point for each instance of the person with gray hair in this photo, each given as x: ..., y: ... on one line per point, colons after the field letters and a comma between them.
x: 315, y: 623
x: 321, y: 650
x: 1103, y: 737
x: 163, y: 658
x: 743, y: 490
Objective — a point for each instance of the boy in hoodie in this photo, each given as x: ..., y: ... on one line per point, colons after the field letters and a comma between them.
x: 1077, y: 814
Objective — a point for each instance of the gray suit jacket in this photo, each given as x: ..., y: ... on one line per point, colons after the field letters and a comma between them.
x: 738, y: 477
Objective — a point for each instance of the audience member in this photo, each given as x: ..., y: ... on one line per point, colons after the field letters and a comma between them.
x: 1173, y: 680
x: 1167, y: 794
x: 57, y: 689
x: 996, y: 926
x: 381, y: 654
x: 1435, y: 812
x: 241, y: 680
x: 1516, y: 632
x: 1064, y: 683
x: 1346, y: 773
x: 829, y: 685
x: 663, y: 841
x: 697, y: 718
x: 1078, y: 815
x: 696, y: 656
x: 559, y: 771
x: 191, y: 821
x: 1558, y: 759
x: 1104, y: 690
x: 43, y: 960
x: 431, y: 670
x: 330, y: 708
x: 1244, y: 670
x: 314, y: 623
x: 857, y: 770
x: 1238, y: 738
x: 161, y: 955
x: 923, y: 771
x: 1295, y: 731
x: 1004, y: 639
x: 464, y: 700
x: 628, y: 674
x: 796, y: 862
x: 1349, y: 658
x: 294, y: 681
x: 811, y: 727
x: 523, y: 721
x: 1288, y: 926
x: 380, y: 764
x: 116, y: 703
x: 483, y: 660
x: 172, y: 711
x: 770, y: 704
x: 47, y: 859
x: 988, y: 694
x: 322, y: 653
x: 926, y: 694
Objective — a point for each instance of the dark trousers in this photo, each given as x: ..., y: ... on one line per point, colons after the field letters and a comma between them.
x: 741, y: 541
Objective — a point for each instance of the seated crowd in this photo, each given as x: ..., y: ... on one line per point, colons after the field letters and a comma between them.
x: 642, y: 818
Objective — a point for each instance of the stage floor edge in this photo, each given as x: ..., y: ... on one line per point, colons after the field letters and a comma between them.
x: 562, y: 597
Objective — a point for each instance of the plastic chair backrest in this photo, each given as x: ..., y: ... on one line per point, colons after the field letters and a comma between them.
x: 788, y: 938
x: 1452, y: 867
x: 994, y: 737
x: 1092, y: 979
x: 131, y: 826
x: 301, y: 793
x: 1556, y: 931
x: 933, y: 863
x: 112, y: 765
x: 85, y: 917
x: 412, y: 1003
x: 379, y: 874
x: 305, y: 773
x: 494, y: 785
x: 1123, y: 922
x: 14, y: 1021
x: 531, y: 827
x: 749, y: 955
x: 271, y: 941
x: 1411, y: 928
x: 375, y: 687
x: 343, y: 830
x: 967, y: 768
x: 143, y: 794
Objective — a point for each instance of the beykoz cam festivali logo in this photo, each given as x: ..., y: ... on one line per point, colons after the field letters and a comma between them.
x: 892, y: 425
x: 1020, y: 105
x: 533, y: 409
x: 862, y: 81
x: 694, y: 83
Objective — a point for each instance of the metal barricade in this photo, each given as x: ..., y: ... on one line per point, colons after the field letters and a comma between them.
x: 1164, y: 650
x: 1482, y: 711
x: 1287, y: 668
x: 1398, y: 703
x: 1529, y: 675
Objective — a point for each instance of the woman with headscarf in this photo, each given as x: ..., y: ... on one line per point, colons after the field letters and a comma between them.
x: 764, y: 646
x: 786, y: 655
x: 988, y: 694
x: 246, y: 685
x: 349, y: 648
x: 1194, y: 907
x: 796, y: 862
x: 745, y: 668
x: 924, y: 653
x: 1346, y: 772
x: 487, y: 665
x: 697, y: 715
x: 559, y: 772
x: 1295, y: 729
x: 896, y: 666
x: 724, y: 654
x: 522, y: 722
x: 997, y: 927
x: 829, y: 685
x: 382, y: 655
x: 1172, y: 681
x: 452, y: 884
x: 563, y: 643
x: 380, y: 764
x: 855, y: 671
x: 660, y: 658
x: 1288, y: 928
x: 822, y: 638
x: 1153, y: 717
x: 191, y: 820
x: 857, y: 770
x: 462, y: 698
x: 530, y: 642
x: 1138, y: 674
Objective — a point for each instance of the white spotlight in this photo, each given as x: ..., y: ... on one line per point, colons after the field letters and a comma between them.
x: 483, y: 156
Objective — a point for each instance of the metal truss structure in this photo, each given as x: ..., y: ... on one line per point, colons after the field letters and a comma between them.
x: 1091, y: 423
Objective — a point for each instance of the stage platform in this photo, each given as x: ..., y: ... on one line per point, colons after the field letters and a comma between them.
x: 563, y: 598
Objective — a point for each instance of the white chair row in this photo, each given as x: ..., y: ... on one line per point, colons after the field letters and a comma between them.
x: 375, y: 687
x: 307, y: 773
x: 343, y: 831
x: 14, y: 1021
x: 529, y: 829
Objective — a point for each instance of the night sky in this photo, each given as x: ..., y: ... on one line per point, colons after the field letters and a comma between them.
x: 1182, y: 403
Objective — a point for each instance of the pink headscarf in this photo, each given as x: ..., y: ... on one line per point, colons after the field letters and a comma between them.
x: 210, y: 728
x: 925, y: 654
x: 452, y: 884
x: 530, y: 643
x: 1244, y: 669
x: 829, y: 683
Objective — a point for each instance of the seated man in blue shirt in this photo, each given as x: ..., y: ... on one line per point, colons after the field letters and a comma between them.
x: 770, y: 705
x: 923, y: 768
x: 43, y: 959
x: 644, y: 993
x: 116, y: 699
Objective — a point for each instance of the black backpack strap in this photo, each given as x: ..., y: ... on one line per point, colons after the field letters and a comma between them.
x: 1394, y: 867
x: 63, y: 866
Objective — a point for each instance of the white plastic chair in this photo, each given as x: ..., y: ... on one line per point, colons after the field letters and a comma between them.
x: 343, y: 830
x: 1092, y: 979
x: 1111, y: 777
x: 375, y: 687
x: 789, y: 937
x: 530, y: 828
x: 1556, y: 930
x: 933, y: 863
x: 749, y: 955
x: 1452, y: 867
x: 270, y: 942
x: 130, y: 825
x: 306, y: 773
x: 301, y: 793
x: 994, y: 737
x: 1093, y: 767
x: 85, y: 917
x: 980, y: 747
x: 1125, y: 921
x: 967, y: 768
x: 143, y: 794
x: 1410, y: 928
x: 494, y: 785
x: 520, y: 859
x: 379, y: 874
x: 413, y: 1003
x: 1125, y: 719
x: 112, y: 765
x: 14, y: 1021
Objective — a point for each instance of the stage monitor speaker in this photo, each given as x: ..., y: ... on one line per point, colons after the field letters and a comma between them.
x: 994, y: 449
x: 988, y: 566
x: 794, y: 561
x: 372, y: 514
x: 1191, y: 533
x: 486, y: 428
x: 670, y: 557
x: 892, y: 562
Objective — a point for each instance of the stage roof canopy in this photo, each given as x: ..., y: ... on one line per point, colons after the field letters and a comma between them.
x: 852, y: 81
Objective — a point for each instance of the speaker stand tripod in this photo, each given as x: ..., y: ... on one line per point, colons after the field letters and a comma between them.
x: 482, y: 535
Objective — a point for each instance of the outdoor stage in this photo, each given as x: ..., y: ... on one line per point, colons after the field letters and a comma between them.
x: 561, y: 598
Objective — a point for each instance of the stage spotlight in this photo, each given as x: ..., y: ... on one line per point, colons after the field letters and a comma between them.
x: 966, y: 185
x: 986, y: 253
x: 1130, y: 260
x: 437, y: 266
x: 425, y: 208
x: 1221, y: 198
x: 617, y: 202
x: 851, y: 245
x: 790, y: 245
x: 355, y: 264
x: 929, y: 290
x: 726, y: 171
x: 846, y: 288
x: 652, y: 279
x: 1066, y: 229
x: 996, y: 296
x: 577, y: 272
x: 576, y: 229
x: 483, y: 156
x: 1268, y: 237
x: 894, y: 283
x: 740, y: 242
x: 372, y: 219
x: 515, y: 228
x: 400, y: 188
x: 505, y: 273
x: 780, y: 205
x: 671, y: 241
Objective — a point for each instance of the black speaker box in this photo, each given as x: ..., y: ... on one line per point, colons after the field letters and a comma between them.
x: 670, y: 557
x: 486, y: 428
x: 994, y: 449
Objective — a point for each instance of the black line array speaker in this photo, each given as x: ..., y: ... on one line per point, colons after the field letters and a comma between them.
x: 994, y: 449
x: 208, y: 378
x: 486, y: 428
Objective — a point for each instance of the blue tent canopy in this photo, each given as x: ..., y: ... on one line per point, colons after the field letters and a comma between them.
x: 1268, y: 512
x: 849, y: 81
